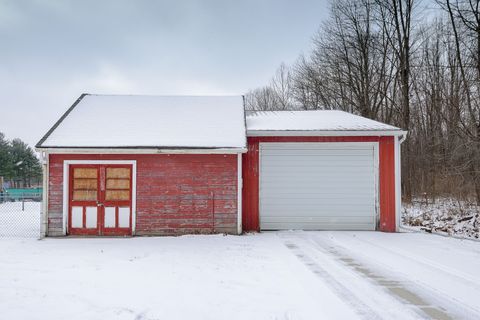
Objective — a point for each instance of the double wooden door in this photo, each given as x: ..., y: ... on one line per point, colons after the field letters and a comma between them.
x: 100, y: 200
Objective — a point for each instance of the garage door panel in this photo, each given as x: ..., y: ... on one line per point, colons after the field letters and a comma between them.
x: 320, y: 173
x: 316, y: 178
x: 324, y: 209
x: 312, y: 156
x: 319, y: 183
x: 310, y: 214
x: 314, y: 186
x: 327, y: 223
x: 314, y: 190
x: 321, y: 168
x: 280, y: 198
x: 326, y: 163
x: 317, y: 171
x: 329, y: 219
x: 301, y: 202
x: 300, y: 148
x: 353, y: 154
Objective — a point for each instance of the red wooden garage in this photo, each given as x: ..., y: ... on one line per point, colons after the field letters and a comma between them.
x: 320, y: 170
x: 160, y: 165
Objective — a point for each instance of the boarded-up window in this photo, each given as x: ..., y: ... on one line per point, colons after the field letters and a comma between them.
x: 85, y: 184
x: 118, y: 184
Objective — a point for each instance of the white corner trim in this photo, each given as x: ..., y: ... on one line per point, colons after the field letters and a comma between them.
x: 239, y: 193
x: 376, y: 177
x: 45, y: 182
x: 67, y: 163
x: 398, y: 180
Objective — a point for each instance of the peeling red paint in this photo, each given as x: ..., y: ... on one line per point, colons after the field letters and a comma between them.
x: 176, y: 193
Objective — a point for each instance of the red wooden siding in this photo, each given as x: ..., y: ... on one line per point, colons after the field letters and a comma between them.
x: 387, y: 184
x: 250, y: 210
x: 176, y: 194
x: 251, y: 191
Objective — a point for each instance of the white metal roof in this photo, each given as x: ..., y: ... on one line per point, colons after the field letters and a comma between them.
x: 128, y: 121
x: 314, y: 120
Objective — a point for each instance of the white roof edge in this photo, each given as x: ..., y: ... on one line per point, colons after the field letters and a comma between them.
x: 309, y: 133
x: 53, y: 150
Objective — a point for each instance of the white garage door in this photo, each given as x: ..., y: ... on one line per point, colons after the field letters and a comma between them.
x: 317, y: 186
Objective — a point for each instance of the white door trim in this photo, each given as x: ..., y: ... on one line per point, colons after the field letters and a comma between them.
x: 376, y: 165
x: 67, y: 163
x: 239, y: 193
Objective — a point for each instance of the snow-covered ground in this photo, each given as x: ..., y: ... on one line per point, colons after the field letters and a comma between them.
x: 444, y: 216
x: 282, y: 275
x: 17, y: 220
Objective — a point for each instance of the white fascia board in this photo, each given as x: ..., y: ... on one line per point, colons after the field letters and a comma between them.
x: 330, y: 133
x: 141, y: 151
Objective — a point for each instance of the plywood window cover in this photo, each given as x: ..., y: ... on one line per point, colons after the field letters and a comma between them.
x: 118, y: 184
x: 85, y: 173
x: 119, y: 173
x: 85, y: 184
x: 117, y: 195
x: 85, y: 195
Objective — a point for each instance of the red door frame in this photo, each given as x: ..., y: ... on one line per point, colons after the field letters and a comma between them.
x: 100, y: 203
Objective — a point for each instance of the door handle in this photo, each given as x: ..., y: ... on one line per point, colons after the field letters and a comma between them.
x: 99, y: 204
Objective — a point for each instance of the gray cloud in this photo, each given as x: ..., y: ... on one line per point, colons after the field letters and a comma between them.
x: 52, y: 51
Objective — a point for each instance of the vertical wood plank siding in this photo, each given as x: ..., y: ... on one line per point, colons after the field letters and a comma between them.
x: 387, y: 184
x: 176, y: 193
x: 250, y: 192
x: 250, y: 211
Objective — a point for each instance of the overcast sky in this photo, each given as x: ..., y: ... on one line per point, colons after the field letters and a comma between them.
x: 52, y: 51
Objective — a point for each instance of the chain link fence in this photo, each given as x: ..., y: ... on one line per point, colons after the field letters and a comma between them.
x: 20, y: 215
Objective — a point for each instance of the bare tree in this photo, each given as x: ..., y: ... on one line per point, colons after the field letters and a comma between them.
x: 465, y: 15
x: 368, y: 59
x: 399, y: 15
x: 278, y: 95
x: 282, y: 86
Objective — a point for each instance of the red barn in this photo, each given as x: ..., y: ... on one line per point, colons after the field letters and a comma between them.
x: 160, y: 165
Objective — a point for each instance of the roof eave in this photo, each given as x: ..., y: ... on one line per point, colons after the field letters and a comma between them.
x: 287, y: 133
x: 49, y: 132
x: 142, y: 150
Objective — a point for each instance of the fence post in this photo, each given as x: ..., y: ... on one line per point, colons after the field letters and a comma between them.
x: 1, y: 189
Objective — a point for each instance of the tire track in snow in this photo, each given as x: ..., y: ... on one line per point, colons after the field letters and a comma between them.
x: 475, y: 312
x: 470, y: 281
x: 397, y: 287
x: 339, y: 289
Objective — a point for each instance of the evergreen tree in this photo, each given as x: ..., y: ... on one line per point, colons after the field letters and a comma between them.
x: 18, y: 161
x: 5, y: 158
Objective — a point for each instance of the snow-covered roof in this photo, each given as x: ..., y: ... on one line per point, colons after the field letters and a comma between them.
x: 129, y: 121
x: 314, y: 120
